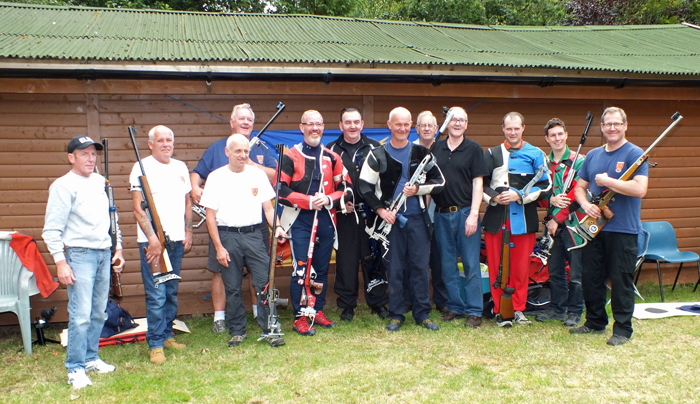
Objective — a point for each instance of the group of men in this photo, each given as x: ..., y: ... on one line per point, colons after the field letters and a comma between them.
x: 343, y: 196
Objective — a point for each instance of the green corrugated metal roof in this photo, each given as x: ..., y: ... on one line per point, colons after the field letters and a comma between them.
x: 46, y: 32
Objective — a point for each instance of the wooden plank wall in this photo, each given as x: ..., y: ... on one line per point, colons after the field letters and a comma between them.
x: 37, y: 121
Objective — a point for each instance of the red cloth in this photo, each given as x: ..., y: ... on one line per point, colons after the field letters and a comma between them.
x: 520, y: 251
x: 27, y: 251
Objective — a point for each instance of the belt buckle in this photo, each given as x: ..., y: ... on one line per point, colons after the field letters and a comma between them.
x: 240, y: 230
x: 453, y: 209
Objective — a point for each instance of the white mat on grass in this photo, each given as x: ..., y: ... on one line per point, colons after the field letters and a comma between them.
x: 645, y: 311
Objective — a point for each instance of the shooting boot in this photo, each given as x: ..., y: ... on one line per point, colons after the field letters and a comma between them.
x: 302, y: 327
x: 323, y: 321
x: 157, y: 356
x: 172, y: 344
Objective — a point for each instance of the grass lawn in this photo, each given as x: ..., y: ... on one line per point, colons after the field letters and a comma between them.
x: 361, y: 362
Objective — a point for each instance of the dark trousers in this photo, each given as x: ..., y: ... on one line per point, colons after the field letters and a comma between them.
x: 566, y: 296
x: 439, y: 289
x: 301, y: 234
x: 610, y: 255
x: 244, y: 249
x: 353, y: 246
x: 407, y: 257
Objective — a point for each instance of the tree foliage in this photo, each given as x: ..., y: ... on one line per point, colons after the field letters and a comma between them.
x: 492, y: 12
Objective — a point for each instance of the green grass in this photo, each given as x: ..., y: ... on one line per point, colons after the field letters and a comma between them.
x: 361, y: 362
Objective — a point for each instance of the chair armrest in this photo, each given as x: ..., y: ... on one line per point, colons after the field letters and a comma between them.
x: 27, y: 284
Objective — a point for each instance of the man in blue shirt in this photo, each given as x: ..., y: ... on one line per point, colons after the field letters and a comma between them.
x: 242, y: 121
x: 613, y: 252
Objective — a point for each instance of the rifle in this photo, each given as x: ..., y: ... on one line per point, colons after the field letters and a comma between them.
x: 163, y: 271
x: 381, y: 233
x: 505, y: 310
x: 305, y: 270
x: 256, y: 139
x: 544, y: 245
x: 589, y: 227
x: 272, y: 293
x: 115, y: 280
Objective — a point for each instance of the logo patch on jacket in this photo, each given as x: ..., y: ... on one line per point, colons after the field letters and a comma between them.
x: 620, y: 165
x: 255, y: 191
x: 261, y: 158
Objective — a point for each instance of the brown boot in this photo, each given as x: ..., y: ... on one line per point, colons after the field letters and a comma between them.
x: 157, y: 356
x: 473, y: 322
x: 172, y: 344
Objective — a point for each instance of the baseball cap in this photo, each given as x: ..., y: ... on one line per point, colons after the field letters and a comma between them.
x: 81, y: 142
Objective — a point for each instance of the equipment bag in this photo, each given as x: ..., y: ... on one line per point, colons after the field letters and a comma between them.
x: 118, y: 320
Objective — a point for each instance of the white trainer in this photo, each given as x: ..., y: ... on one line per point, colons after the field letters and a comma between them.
x: 100, y: 366
x: 520, y: 318
x: 78, y: 379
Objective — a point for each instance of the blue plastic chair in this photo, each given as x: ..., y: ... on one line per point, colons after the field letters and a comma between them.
x: 663, y: 247
x: 17, y: 283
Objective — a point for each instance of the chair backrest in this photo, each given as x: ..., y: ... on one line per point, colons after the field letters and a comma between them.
x: 10, y: 266
x: 662, y: 237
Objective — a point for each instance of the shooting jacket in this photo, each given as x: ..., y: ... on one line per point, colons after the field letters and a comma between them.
x: 295, y: 181
x: 339, y: 146
x: 559, y: 172
x: 514, y: 170
x: 381, y: 173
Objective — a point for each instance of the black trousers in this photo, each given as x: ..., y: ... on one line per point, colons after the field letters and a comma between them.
x: 610, y: 255
x: 353, y: 245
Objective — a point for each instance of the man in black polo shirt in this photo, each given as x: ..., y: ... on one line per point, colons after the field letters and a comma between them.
x: 457, y: 225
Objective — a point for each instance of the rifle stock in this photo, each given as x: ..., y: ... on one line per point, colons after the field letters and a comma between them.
x: 162, y: 270
x: 115, y: 279
x: 506, y: 301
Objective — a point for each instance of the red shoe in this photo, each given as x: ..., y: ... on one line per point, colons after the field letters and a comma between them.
x: 323, y: 321
x: 302, y: 327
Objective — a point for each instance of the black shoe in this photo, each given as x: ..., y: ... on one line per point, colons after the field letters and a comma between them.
x: 442, y: 309
x: 347, y: 314
x: 550, y: 315
x: 616, y: 340
x: 381, y: 311
x: 585, y: 330
x: 572, y: 320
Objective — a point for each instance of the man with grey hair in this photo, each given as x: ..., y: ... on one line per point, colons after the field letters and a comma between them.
x: 384, y: 177
x: 170, y: 187
x: 234, y: 195
x: 242, y: 121
x: 613, y: 252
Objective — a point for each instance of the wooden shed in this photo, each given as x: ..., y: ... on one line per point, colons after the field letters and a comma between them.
x: 66, y: 71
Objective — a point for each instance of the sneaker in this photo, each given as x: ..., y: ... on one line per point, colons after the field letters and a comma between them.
x: 450, y: 315
x: 520, y: 318
x: 473, y: 321
x: 382, y: 312
x: 550, y: 315
x: 273, y: 340
x: 616, y: 340
x: 172, y: 344
x: 236, y: 340
x: 157, y: 356
x: 428, y: 323
x: 219, y: 327
x: 78, y: 379
x: 503, y: 323
x: 323, y: 321
x: 347, y: 314
x: 394, y: 325
x: 99, y: 365
x: 302, y: 327
x: 572, y: 320
x: 585, y: 330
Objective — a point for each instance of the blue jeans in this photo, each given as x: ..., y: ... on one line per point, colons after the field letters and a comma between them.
x: 161, y: 302
x: 451, y: 240
x: 565, y: 296
x: 87, y: 302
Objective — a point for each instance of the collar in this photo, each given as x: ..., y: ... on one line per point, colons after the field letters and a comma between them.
x: 509, y: 147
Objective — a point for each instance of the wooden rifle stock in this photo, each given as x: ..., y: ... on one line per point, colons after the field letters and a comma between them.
x: 148, y: 205
x: 506, y: 301
x: 589, y: 227
x: 115, y: 278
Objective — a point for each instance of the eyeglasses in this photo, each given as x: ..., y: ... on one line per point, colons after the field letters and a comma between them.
x: 460, y: 121
x: 616, y: 125
x: 313, y: 124
x: 426, y: 125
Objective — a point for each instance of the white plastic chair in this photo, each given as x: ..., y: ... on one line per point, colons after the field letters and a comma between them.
x: 17, y: 283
